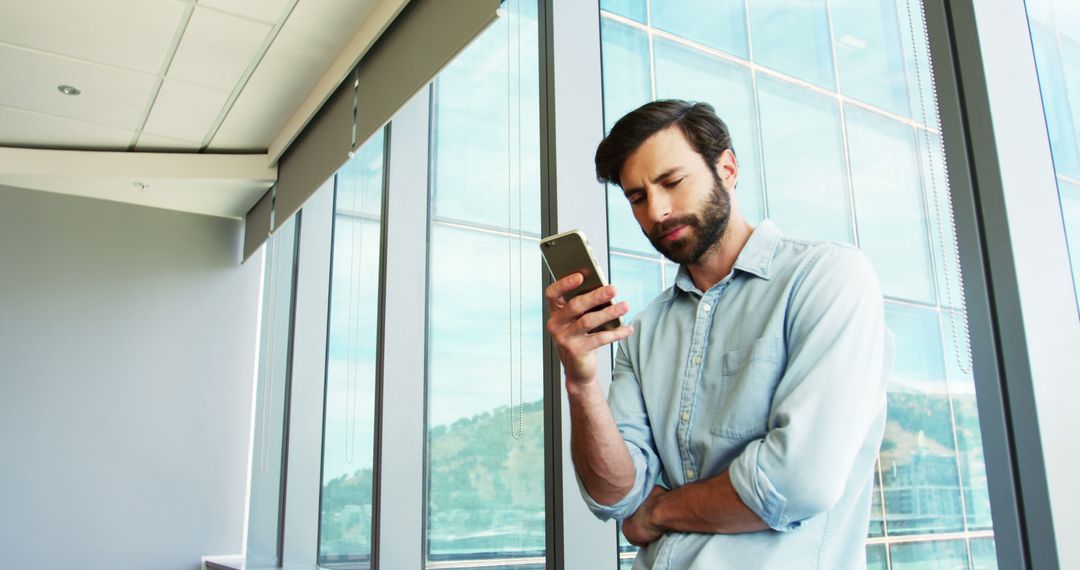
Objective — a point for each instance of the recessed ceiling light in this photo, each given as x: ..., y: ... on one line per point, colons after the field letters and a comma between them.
x: 68, y: 90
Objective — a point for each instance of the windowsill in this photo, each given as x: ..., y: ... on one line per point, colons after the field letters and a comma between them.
x: 237, y: 562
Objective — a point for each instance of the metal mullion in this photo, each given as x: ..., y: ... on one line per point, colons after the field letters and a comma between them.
x: 977, y: 72
x: 429, y: 204
x: 939, y: 537
x: 760, y: 150
x: 571, y: 125
x: 1069, y: 179
x: 302, y: 503
x: 843, y: 128
x: 649, y: 36
x: 483, y: 228
x: 553, y: 448
x: 401, y: 424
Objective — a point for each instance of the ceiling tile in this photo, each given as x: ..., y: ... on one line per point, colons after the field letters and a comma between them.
x: 110, y: 96
x: 185, y: 111
x: 133, y: 34
x: 149, y: 142
x: 216, y: 49
x: 266, y: 10
x: 303, y: 50
x: 26, y: 129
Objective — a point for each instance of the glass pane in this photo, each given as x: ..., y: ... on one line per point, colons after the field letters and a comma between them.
x: 627, y: 552
x: 875, y: 557
x: 624, y: 233
x: 625, y: 53
x: 935, y: 183
x: 918, y: 456
x: 889, y: 204
x: 719, y: 24
x: 348, y: 437
x: 670, y: 271
x: 638, y: 281
x: 486, y: 489
x: 869, y: 52
x: 968, y: 434
x: 935, y: 555
x: 1057, y: 55
x: 633, y: 9
x: 920, y: 79
x: 1055, y: 37
x: 877, y: 510
x: 793, y: 37
x: 805, y: 176
x: 485, y: 460
x: 686, y: 73
x: 983, y: 555
x: 270, y: 397
x: 484, y: 104
x: 1070, y: 212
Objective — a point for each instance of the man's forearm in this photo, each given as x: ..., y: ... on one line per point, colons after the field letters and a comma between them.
x: 708, y: 506
x: 600, y: 456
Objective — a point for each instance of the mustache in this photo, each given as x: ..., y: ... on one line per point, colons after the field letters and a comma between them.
x: 666, y: 226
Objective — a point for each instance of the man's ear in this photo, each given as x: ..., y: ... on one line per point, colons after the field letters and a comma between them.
x: 727, y: 168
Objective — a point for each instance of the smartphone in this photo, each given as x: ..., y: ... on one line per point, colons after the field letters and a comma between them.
x: 569, y: 252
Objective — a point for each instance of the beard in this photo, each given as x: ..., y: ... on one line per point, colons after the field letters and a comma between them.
x: 706, y: 228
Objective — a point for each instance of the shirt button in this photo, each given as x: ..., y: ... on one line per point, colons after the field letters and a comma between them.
x: 686, y: 416
x: 697, y: 360
x: 690, y: 473
x: 707, y: 307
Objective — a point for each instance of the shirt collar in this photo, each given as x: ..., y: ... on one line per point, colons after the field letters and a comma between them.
x: 755, y: 258
x: 757, y: 255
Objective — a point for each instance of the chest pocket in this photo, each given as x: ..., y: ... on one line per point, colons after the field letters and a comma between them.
x: 749, y: 379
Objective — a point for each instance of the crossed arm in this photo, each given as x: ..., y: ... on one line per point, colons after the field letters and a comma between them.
x: 604, y: 466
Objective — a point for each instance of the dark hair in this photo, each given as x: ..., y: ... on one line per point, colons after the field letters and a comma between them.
x: 707, y: 134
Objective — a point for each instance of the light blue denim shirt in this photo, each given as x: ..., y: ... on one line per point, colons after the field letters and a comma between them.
x: 777, y: 373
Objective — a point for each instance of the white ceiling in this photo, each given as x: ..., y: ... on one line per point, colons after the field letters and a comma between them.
x: 178, y: 76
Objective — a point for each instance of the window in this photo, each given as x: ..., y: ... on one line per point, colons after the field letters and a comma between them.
x: 830, y: 104
x: 348, y: 437
x: 1055, y: 36
x: 275, y: 333
x: 485, y: 488
x: 831, y: 110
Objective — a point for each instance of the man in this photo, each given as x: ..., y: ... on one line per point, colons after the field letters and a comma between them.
x: 747, y: 402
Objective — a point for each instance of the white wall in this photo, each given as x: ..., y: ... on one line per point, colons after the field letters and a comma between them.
x: 127, y: 338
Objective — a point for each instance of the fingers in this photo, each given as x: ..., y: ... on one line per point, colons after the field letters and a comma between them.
x: 591, y: 320
x: 633, y: 534
x: 603, y: 338
x: 582, y: 303
x: 571, y: 321
x: 554, y: 292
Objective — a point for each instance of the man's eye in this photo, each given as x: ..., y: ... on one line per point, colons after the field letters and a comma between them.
x: 636, y: 199
x: 673, y: 183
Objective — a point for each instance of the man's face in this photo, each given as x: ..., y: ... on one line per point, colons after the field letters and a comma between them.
x: 680, y: 202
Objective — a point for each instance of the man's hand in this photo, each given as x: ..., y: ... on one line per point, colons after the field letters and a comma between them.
x: 571, y: 322
x: 640, y: 529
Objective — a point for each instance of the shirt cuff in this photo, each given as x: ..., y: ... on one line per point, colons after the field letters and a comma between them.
x: 757, y: 492
x: 627, y: 505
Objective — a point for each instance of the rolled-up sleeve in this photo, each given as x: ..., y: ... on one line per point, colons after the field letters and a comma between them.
x: 628, y: 408
x: 827, y: 416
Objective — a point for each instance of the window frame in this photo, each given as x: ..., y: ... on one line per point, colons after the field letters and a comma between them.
x: 986, y: 87
x: 1014, y: 258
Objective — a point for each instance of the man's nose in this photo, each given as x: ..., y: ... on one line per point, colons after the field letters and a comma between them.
x: 659, y: 207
